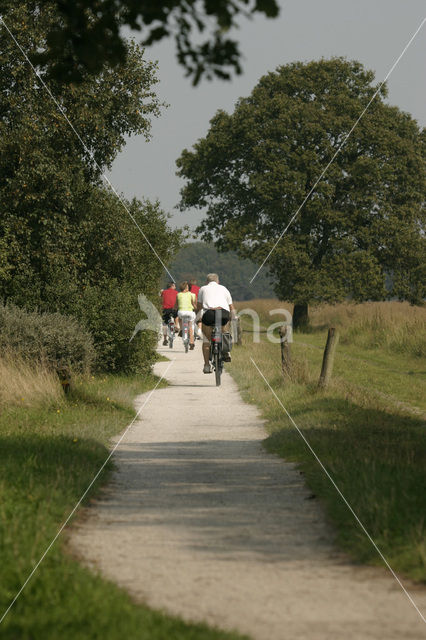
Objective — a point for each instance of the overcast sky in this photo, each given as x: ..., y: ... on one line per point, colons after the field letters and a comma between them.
x: 372, y: 31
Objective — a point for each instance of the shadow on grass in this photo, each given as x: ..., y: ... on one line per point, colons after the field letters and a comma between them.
x: 46, y: 461
x: 377, y: 459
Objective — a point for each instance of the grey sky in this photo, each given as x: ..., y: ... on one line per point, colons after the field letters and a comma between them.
x: 372, y: 31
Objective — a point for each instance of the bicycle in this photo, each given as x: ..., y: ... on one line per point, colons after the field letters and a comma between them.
x: 185, y: 320
x: 171, y: 330
x: 216, y: 356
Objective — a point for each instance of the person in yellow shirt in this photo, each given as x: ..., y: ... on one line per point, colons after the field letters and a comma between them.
x: 186, y: 304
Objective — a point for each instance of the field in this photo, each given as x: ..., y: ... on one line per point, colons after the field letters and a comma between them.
x: 51, y: 447
x: 367, y: 428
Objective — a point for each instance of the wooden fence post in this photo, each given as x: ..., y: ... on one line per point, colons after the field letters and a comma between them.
x: 285, y: 350
x: 328, y: 359
x: 236, y: 331
x: 239, y: 331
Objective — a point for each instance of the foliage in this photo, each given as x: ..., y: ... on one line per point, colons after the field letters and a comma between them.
x: 122, y: 267
x: 51, y: 338
x: 70, y: 245
x: 47, y: 174
x: 102, y: 109
x: 197, y: 259
x: 84, y: 37
x: 365, y: 218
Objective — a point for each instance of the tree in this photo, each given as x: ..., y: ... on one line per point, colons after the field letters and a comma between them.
x: 86, y: 34
x: 47, y: 174
x: 364, y: 219
x: 69, y: 244
x: 118, y: 266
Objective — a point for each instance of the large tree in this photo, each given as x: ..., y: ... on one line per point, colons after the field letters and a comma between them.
x: 66, y: 242
x: 365, y: 217
x: 46, y: 172
x: 86, y: 33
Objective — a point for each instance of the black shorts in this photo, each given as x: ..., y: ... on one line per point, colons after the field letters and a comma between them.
x: 209, y: 317
x: 167, y: 314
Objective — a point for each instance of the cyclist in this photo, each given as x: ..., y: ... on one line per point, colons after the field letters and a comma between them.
x: 193, y: 287
x: 216, y: 303
x: 168, y: 298
x: 186, y: 304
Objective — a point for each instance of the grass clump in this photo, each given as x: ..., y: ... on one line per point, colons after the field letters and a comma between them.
x: 49, y: 453
x: 27, y: 384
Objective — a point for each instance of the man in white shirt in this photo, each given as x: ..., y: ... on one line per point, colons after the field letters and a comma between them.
x: 215, y: 301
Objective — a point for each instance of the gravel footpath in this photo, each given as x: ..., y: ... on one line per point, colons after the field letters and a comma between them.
x: 201, y: 522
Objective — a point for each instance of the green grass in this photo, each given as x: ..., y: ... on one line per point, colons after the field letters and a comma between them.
x: 401, y: 376
x: 367, y: 430
x: 48, y: 456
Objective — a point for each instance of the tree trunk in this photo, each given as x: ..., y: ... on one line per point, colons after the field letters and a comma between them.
x: 300, y: 315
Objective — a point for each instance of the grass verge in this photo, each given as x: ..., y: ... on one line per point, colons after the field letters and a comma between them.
x: 372, y: 442
x: 49, y: 453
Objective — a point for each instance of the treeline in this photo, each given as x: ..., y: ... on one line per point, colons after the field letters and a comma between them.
x: 67, y: 244
x: 197, y: 259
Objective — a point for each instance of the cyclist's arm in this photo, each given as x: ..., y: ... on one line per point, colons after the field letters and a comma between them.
x: 200, y: 300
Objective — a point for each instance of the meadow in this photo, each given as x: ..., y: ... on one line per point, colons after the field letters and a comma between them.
x: 367, y: 427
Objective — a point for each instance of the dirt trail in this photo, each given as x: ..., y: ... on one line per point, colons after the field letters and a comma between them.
x: 200, y: 521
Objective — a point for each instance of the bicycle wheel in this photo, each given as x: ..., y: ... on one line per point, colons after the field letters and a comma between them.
x: 217, y: 368
x: 186, y: 343
x: 171, y: 341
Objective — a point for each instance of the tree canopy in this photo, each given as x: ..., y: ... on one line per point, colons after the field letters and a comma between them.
x: 66, y: 242
x: 86, y: 34
x: 365, y: 217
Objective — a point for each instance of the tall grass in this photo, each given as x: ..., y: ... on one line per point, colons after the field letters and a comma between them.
x: 27, y: 384
x: 392, y: 326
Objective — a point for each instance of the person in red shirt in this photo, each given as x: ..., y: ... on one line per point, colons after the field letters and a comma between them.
x: 168, y: 297
x: 194, y: 288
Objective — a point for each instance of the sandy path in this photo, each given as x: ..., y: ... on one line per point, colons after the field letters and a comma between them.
x: 200, y: 521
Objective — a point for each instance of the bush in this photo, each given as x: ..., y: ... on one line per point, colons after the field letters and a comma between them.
x: 111, y: 312
x: 51, y: 338
x: 118, y: 264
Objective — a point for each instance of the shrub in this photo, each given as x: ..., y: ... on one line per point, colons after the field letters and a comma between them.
x: 111, y: 312
x: 51, y: 338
